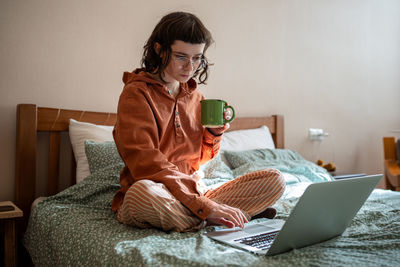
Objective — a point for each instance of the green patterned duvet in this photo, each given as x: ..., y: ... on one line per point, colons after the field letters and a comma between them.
x: 77, y: 228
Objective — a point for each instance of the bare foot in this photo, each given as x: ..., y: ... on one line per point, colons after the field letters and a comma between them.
x: 268, y: 213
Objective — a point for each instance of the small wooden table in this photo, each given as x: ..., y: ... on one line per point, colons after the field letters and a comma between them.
x: 9, y: 217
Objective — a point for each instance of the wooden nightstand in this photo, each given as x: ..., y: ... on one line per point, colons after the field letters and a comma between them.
x: 8, y: 219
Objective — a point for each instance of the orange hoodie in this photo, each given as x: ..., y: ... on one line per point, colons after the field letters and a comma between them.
x: 160, y: 138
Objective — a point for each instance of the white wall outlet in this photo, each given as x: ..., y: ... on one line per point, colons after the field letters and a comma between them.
x: 315, y: 134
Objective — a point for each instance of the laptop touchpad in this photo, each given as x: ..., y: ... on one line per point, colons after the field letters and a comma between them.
x: 258, y: 229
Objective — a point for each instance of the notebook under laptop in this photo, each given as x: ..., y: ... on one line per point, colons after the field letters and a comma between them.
x: 324, y: 211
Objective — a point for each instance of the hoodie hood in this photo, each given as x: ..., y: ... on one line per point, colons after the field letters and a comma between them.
x: 140, y: 75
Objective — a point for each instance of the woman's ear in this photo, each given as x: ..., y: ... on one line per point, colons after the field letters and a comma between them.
x: 157, y: 48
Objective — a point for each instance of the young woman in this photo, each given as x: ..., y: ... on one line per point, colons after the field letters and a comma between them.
x: 162, y: 142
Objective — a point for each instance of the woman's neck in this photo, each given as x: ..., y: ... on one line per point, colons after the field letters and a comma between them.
x: 173, y: 87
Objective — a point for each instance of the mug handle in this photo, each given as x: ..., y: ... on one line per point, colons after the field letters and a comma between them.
x: 233, y: 114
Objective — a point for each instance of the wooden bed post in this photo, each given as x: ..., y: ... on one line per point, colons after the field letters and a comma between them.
x: 279, y: 132
x: 25, y: 164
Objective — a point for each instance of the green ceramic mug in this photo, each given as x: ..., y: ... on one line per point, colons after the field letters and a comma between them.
x: 213, y: 113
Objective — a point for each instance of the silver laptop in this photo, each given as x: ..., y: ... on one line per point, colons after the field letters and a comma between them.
x: 324, y: 211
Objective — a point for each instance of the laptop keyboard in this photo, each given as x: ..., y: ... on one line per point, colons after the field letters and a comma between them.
x: 261, y: 241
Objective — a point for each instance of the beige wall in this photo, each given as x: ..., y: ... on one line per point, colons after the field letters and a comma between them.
x: 328, y: 64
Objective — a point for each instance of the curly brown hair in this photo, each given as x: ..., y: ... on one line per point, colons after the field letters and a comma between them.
x: 174, y: 26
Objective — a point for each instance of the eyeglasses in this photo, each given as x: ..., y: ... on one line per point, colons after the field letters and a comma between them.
x: 197, y: 61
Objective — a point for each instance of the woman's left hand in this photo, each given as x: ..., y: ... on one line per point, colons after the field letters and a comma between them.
x: 219, y: 130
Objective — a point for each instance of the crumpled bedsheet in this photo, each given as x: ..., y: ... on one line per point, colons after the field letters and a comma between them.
x: 77, y: 228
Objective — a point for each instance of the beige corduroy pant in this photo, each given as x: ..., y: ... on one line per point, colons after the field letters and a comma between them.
x: 149, y: 204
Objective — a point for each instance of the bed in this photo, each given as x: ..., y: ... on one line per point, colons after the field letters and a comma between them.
x: 74, y: 225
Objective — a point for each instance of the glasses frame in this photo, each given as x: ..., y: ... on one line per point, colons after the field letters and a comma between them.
x: 178, y: 59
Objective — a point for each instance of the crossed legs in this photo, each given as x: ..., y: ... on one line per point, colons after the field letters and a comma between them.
x: 149, y: 204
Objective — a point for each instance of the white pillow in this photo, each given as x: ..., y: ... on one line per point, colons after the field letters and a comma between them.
x: 258, y: 138
x: 79, y: 132
x: 239, y: 140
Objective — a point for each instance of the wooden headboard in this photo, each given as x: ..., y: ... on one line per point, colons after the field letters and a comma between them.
x: 32, y: 119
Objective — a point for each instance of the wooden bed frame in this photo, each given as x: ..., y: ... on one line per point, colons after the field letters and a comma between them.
x: 32, y: 119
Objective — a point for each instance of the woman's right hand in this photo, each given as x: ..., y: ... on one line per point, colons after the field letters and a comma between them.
x: 227, y: 215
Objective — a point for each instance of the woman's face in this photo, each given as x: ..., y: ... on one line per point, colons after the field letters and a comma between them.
x: 184, y: 61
